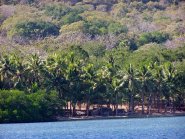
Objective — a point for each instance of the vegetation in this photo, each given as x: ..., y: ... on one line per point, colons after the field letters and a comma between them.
x: 57, y: 56
x: 75, y: 77
x: 16, y: 106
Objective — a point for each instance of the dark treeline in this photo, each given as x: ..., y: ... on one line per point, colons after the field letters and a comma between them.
x: 37, y: 88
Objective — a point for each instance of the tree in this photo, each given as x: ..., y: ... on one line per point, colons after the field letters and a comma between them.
x: 89, y: 83
x: 144, y: 77
x: 33, y: 70
x: 131, y: 82
x: 7, y: 71
x: 159, y: 78
x: 156, y: 37
x: 35, y: 29
x: 55, y: 75
x: 75, y: 61
x: 170, y: 74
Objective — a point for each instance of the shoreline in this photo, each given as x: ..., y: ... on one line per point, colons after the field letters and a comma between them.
x: 64, y: 119
x: 85, y: 118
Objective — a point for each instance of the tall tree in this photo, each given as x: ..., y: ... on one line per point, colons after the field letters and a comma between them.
x: 159, y: 78
x: 144, y: 77
x: 34, y: 66
x: 131, y: 82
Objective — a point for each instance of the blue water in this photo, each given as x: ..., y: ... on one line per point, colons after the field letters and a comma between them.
x: 149, y: 128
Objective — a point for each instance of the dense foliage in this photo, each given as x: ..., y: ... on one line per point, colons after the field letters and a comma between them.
x: 92, y: 52
x: 78, y: 78
x: 16, y: 106
x: 34, y: 30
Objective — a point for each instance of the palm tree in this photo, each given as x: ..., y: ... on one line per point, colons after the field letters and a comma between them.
x: 54, y: 72
x: 109, y: 77
x: 34, y: 67
x: 73, y: 75
x: 19, y: 73
x: 179, y: 89
x: 170, y: 74
x: 144, y: 77
x: 7, y: 71
x: 159, y: 78
x: 89, y: 83
x: 131, y: 82
x: 117, y: 85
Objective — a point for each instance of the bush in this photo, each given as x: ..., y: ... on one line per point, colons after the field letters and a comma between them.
x: 35, y: 29
x: 74, y: 27
x: 156, y: 37
x: 119, y: 10
x: 71, y: 17
x: 96, y: 27
x: 16, y: 106
x: 57, y: 11
x: 117, y: 28
x: 64, y: 14
x: 95, y: 49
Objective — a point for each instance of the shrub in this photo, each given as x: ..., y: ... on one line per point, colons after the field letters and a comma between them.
x: 74, y: 27
x: 119, y: 10
x: 56, y: 11
x: 12, y: 106
x: 94, y: 48
x: 96, y: 16
x: 96, y: 27
x: 64, y: 14
x: 156, y: 37
x: 71, y: 17
x: 117, y: 28
x: 16, y: 25
x: 35, y: 29
x: 16, y: 106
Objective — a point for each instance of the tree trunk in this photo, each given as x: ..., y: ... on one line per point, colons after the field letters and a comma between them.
x: 116, y: 104
x: 129, y: 103
x: 149, y: 104
x: 158, y: 103
x: 74, y: 110
x: 87, y: 107
x: 70, y: 108
x: 132, y: 103
x: 166, y: 101
x: 173, y: 101
x: 143, y: 102
x: 67, y: 106
x: 155, y: 105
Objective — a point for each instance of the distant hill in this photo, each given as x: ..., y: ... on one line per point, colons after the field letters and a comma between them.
x: 107, y: 23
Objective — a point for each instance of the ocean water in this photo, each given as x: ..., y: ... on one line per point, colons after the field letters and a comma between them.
x: 137, y: 128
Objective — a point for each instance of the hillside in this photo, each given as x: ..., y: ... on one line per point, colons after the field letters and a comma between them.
x: 55, y: 54
x: 106, y: 23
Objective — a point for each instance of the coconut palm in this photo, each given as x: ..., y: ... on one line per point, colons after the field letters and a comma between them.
x: 89, y: 83
x: 144, y: 77
x: 33, y: 69
x: 159, y: 78
x: 170, y: 74
x: 54, y: 75
x: 7, y: 71
x: 19, y: 73
x: 131, y: 82
x: 74, y: 73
